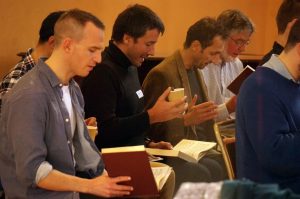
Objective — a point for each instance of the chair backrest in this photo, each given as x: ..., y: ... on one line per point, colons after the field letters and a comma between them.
x: 223, y: 148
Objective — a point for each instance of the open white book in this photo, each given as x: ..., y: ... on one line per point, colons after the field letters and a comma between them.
x: 189, y: 150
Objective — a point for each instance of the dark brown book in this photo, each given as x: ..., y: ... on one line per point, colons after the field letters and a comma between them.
x: 235, y: 85
x: 134, y: 162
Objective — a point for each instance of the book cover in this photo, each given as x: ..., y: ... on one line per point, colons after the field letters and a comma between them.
x: 235, y: 85
x: 176, y: 94
x: 133, y: 162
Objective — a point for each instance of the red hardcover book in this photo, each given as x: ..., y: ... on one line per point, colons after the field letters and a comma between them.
x: 134, y: 162
x: 235, y: 85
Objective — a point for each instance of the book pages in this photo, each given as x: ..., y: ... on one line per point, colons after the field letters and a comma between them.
x: 161, y: 175
x: 194, y: 148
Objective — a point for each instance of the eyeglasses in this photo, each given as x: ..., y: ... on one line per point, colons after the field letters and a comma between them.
x: 240, y: 42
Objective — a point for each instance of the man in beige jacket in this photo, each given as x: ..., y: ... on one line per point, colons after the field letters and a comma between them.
x: 204, y: 42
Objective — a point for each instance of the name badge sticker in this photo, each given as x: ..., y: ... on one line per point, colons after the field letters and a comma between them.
x: 140, y: 94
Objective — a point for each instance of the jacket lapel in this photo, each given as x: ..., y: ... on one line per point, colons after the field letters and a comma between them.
x: 183, y: 76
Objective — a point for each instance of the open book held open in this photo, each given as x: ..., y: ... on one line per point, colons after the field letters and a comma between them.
x: 132, y: 161
x: 235, y: 85
x: 189, y: 150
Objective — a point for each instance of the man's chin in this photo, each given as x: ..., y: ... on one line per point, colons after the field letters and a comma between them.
x: 201, y: 66
x: 137, y: 64
x: 234, y: 56
x: 84, y: 74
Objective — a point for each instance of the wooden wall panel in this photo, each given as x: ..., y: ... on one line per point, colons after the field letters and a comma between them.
x: 20, y: 21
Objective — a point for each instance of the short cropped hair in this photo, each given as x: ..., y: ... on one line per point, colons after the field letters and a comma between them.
x: 294, y: 36
x: 135, y: 21
x: 72, y: 22
x: 288, y: 10
x: 204, y: 31
x: 47, y: 27
x: 235, y: 20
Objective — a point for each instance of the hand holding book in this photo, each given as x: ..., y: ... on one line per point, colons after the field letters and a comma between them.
x: 133, y: 161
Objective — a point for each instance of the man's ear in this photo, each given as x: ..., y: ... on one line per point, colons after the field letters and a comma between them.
x: 67, y: 45
x: 287, y: 30
x: 127, y: 39
x: 51, y: 41
x: 196, y: 46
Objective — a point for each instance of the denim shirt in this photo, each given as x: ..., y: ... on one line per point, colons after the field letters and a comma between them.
x: 35, y: 127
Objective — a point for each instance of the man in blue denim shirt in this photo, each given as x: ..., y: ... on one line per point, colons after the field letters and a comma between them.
x: 44, y: 140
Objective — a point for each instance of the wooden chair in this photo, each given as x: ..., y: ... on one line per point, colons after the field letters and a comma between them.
x: 228, y: 128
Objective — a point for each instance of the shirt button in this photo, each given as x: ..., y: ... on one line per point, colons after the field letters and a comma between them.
x: 67, y: 120
x: 68, y: 142
x: 60, y: 85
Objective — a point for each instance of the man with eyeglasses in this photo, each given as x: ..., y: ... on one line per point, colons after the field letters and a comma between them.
x: 219, y: 74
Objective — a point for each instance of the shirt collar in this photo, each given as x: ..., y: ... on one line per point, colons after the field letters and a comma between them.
x: 52, y: 78
x: 28, y: 52
x: 277, y: 65
x: 28, y: 60
x: 118, y: 56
